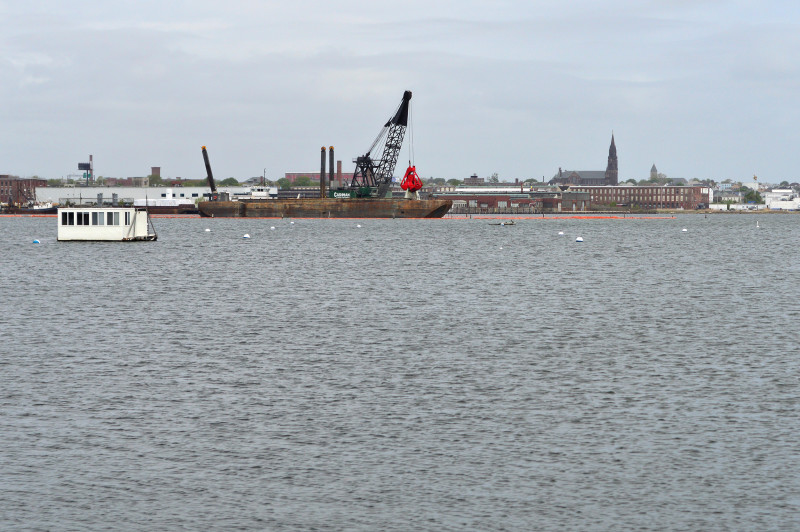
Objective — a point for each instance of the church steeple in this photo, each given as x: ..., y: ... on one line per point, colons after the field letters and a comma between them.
x: 612, y: 170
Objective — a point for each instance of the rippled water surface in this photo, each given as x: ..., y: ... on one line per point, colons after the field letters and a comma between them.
x: 403, y: 375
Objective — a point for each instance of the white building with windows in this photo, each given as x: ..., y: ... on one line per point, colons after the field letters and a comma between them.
x: 782, y: 199
x: 80, y: 195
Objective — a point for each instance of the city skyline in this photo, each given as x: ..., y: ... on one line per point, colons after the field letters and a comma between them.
x: 702, y: 89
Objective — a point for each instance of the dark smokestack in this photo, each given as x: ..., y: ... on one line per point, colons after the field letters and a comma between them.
x: 330, y: 167
x: 322, y: 173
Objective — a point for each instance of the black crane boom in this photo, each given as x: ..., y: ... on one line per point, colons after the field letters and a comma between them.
x: 209, y: 175
x: 214, y: 196
x: 374, y: 178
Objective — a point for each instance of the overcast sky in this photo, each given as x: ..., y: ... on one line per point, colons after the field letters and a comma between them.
x: 705, y: 89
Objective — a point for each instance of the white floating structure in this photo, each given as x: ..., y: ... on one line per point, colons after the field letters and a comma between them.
x: 112, y: 224
x: 684, y: 230
x: 579, y: 239
x: 168, y: 203
x: 246, y: 236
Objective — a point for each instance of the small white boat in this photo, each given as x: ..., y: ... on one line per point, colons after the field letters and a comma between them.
x: 510, y: 222
x: 111, y: 224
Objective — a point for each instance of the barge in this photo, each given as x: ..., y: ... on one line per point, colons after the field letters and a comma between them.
x: 368, y: 195
x: 326, y: 208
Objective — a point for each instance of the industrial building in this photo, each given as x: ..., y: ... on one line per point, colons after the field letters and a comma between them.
x: 566, y: 198
x: 518, y: 199
x: 19, y: 191
x: 649, y: 197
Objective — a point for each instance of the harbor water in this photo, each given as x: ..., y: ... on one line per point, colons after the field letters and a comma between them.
x: 403, y: 375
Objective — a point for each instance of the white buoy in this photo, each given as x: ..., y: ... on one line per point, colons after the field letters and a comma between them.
x: 579, y: 239
x: 358, y: 225
x: 36, y: 242
x: 272, y: 228
x: 291, y: 223
x: 246, y: 236
x: 684, y: 230
x: 757, y: 226
x: 208, y: 230
x: 561, y: 232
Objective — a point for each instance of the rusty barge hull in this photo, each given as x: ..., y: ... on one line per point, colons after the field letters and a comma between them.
x: 326, y: 208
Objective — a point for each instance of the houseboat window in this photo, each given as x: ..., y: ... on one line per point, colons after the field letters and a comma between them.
x: 64, y: 218
x: 80, y: 218
x: 163, y: 195
x: 127, y: 218
x: 194, y: 195
x: 100, y: 218
x: 116, y: 218
x: 94, y: 217
x: 71, y: 219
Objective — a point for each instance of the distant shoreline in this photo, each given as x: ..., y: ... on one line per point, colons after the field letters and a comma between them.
x: 761, y: 211
x: 563, y: 214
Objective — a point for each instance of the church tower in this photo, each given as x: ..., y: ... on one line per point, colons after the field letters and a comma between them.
x: 612, y: 170
x: 653, y: 173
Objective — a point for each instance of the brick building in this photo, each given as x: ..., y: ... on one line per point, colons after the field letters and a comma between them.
x: 19, y: 191
x: 649, y: 197
x: 574, y: 198
x: 474, y: 181
x: 127, y: 182
x: 314, y: 176
x: 491, y: 201
x: 504, y: 199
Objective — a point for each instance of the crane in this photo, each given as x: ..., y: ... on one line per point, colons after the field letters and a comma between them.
x: 373, y: 178
x: 214, y: 196
x: 209, y: 175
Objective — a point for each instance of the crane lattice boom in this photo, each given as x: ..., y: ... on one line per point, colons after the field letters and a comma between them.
x: 377, y: 177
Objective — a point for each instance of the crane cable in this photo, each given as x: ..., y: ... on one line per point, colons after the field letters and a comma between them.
x: 410, y: 137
